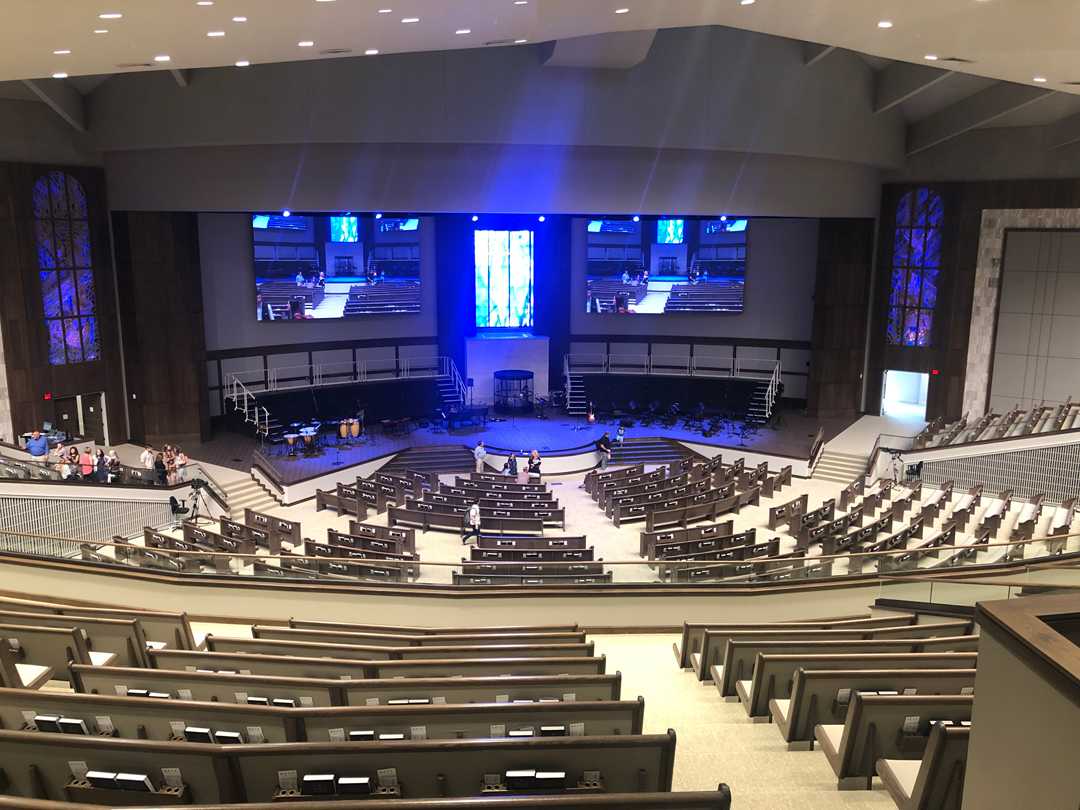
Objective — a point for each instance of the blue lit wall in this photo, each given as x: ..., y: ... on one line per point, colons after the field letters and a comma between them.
x: 503, y: 262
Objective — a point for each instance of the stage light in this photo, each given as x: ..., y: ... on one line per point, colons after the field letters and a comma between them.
x: 286, y: 213
x: 723, y: 217
x: 637, y: 218
x: 541, y: 218
x: 475, y: 218
x: 378, y: 216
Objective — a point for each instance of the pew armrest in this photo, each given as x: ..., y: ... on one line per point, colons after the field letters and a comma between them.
x: 899, y: 777
x: 33, y: 676
x: 102, y: 659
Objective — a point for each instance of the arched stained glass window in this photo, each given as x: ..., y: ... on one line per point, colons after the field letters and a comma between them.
x: 65, y: 266
x: 915, y: 266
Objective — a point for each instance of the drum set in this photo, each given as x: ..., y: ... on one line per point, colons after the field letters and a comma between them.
x: 312, y: 438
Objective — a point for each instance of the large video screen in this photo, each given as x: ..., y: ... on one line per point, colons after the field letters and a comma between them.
x: 669, y: 264
x: 332, y: 266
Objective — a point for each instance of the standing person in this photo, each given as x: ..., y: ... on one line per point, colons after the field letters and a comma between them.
x: 479, y: 454
x: 38, y: 447
x: 160, y: 470
x: 474, y: 523
x: 181, y: 465
x: 146, y: 458
x: 264, y: 312
x: 603, y: 450
x: 620, y: 435
x: 101, y: 467
x: 534, y: 465
x: 86, y: 463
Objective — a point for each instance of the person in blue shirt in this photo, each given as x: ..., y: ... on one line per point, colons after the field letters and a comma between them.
x: 38, y: 447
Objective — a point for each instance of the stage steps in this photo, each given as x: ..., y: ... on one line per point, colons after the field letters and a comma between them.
x: 840, y: 468
x: 448, y: 392
x: 576, y: 404
x: 758, y: 412
x: 650, y: 451
x: 442, y: 459
x: 247, y: 493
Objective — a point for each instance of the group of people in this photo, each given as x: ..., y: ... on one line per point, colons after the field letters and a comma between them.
x: 636, y: 279
x: 523, y: 470
x: 314, y: 280
x: 169, y: 464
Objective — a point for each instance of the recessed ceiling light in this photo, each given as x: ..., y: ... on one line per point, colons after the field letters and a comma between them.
x: 239, y: 19
x: 59, y: 75
x: 61, y: 52
x: 931, y: 57
x: 884, y: 24
x: 520, y: 41
x: 243, y: 63
x: 1040, y: 79
x: 101, y: 30
x: 305, y: 43
x: 386, y: 11
x: 746, y: 2
x: 371, y: 52
x: 324, y: 1
x: 521, y: 2
x: 204, y: 2
x: 463, y: 31
x: 110, y: 15
x: 622, y: 11
x: 163, y: 58
x: 410, y: 20
x: 215, y: 33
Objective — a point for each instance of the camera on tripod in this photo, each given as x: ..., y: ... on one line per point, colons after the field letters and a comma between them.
x: 198, y: 483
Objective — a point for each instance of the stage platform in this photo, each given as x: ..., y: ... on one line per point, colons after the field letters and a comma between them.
x: 557, y: 433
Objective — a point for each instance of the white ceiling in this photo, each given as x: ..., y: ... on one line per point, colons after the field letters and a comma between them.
x: 1013, y: 40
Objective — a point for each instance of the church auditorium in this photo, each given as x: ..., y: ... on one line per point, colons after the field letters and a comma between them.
x: 540, y: 405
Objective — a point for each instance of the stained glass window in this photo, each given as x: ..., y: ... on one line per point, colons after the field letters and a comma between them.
x: 66, y: 269
x: 916, y: 263
x: 504, y: 279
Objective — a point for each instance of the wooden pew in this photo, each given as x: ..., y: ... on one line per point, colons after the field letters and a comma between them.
x: 884, y: 727
x: 307, y: 667
x: 156, y: 719
x: 1029, y: 515
x: 405, y: 537
x: 786, y: 511
x: 534, y: 556
x: 514, y: 542
x: 732, y: 681
x: 14, y: 675
x: 161, y: 627
x: 494, y: 630
x: 1060, y: 523
x: 995, y: 514
x: 693, y: 633
x: 689, y: 549
x: 707, y: 641
x: 207, y: 686
x: 642, y: 486
x: 358, y: 652
x: 614, y: 505
x: 280, y: 530
x: 649, y: 540
x: 818, y: 693
x: 404, y: 640
x: 593, y: 478
x: 503, y: 501
x: 427, y: 520
x: 804, y: 520
x: 243, y: 533
x: 482, y: 689
x: 35, y: 649
x: 939, y: 780
x: 497, y: 483
x: 123, y: 639
x: 436, y: 768
x: 471, y: 578
x: 476, y: 493
x: 691, y: 513
x: 344, y: 501
x: 719, y: 799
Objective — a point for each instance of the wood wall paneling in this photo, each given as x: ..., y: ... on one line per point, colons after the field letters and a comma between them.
x: 160, y: 286
x: 841, y: 302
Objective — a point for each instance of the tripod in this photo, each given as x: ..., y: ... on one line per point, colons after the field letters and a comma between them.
x: 198, y: 504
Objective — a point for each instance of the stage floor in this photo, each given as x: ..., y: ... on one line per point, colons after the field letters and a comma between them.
x: 525, y: 433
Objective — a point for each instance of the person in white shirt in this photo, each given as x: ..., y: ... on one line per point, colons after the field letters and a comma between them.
x: 474, y: 523
x: 181, y: 465
x: 479, y: 453
x: 146, y: 458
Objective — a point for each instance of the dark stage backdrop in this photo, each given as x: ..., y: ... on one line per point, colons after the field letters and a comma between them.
x: 456, y: 293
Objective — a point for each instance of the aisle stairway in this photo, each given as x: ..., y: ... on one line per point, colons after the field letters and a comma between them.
x: 441, y: 458
x: 650, y: 451
x: 575, y: 395
x: 840, y: 468
x: 247, y: 493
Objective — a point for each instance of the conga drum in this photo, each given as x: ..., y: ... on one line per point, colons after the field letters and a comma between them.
x: 354, y: 428
x: 343, y: 429
x: 291, y: 439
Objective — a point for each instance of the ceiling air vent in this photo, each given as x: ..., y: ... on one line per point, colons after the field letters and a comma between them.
x: 500, y: 42
x: 332, y: 51
x: 958, y: 60
x: 128, y: 65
